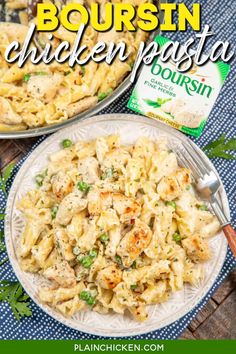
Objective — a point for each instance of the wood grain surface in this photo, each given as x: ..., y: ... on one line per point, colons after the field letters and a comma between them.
x: 216, y: 320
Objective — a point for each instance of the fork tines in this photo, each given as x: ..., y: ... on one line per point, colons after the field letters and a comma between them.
x: 189, y: 157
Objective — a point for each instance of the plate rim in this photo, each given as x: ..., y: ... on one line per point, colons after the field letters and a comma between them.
x: 17, y: 181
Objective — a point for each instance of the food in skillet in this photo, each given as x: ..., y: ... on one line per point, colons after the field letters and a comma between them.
x: 35, y: 96
x: 114, y: 228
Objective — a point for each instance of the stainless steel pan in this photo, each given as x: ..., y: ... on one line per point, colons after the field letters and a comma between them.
x: 88, y: 113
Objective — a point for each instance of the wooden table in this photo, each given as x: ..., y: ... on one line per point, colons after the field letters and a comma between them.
x: 216, y: 320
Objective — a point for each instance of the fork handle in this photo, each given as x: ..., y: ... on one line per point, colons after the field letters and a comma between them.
x: 230, y: 234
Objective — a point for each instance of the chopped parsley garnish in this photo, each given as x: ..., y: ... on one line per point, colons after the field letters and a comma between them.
x: 118, y: 259
x: 83, y: 186
x: 93, y: 253
x: 203, y: 207
x: 103, y: 95
x: 54, y: 211
x: 172, y: 204
x: 104, y: 238
x: 26, y: 77
x: 133, y: 287
x: 39, y: 179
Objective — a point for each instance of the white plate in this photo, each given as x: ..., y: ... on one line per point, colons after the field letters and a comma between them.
x: 130, y: 127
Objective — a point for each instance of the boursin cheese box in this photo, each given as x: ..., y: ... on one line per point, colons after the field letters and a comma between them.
x: 182, y: 100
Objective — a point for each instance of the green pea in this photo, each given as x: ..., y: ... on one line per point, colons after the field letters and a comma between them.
x: 91, y: 301
x: 93, y: 253
x: 76, y: 251
x: 176, y: 237
x: 85, y: 295
x: 26, y: 77
x: 172, y: 204
x: 188, y: 187
x: 87, y: 262
x: 54, y: 211
x: 66, y: 143
x: 103, y: 95
x: 104, y: 238
x: 39, y: 179
x: 82, y: 186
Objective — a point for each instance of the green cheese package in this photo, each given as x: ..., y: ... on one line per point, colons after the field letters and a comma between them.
x: 182, y: 100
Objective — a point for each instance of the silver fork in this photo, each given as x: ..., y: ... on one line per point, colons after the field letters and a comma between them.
x: 207, y: 184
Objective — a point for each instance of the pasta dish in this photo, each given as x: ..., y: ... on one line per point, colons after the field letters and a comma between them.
x: 38, y: 95
x: 114, y: 228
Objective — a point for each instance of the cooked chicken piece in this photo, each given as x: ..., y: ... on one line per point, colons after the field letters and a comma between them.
x: 8, y: 116
x: 61, y: 184
x: 44, y: 86
x: 61, y: 273
x: 183, y: 176
x: 98, y: 201
x: 108, y: 219
x: 197, y: 249
x: 109, y: 277
x: 174, y: 185
x: 70, y: 205
x: 128, y: 208
x: 193, y: 220
x: 62, y: 244
x: 134, y: 242
x: 81, y: 106
x: 88, y: 170
x: 163, y: 164
x: 211, y: 227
